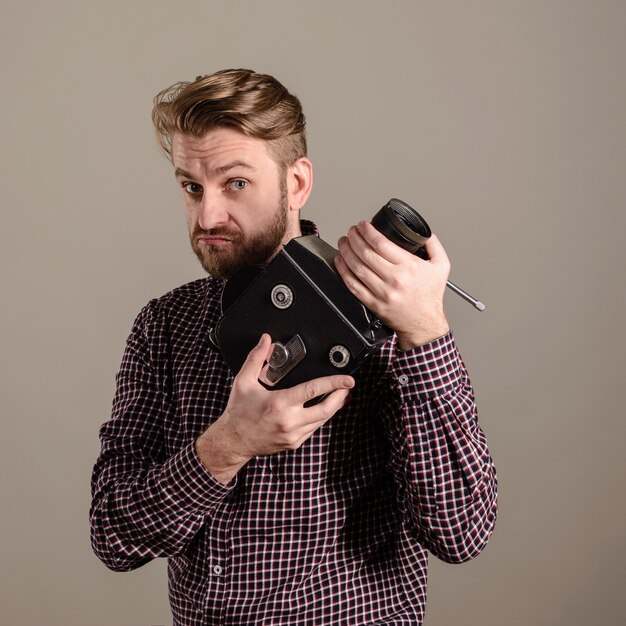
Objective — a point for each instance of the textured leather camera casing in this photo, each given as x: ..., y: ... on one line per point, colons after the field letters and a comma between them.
x: 318, y: 326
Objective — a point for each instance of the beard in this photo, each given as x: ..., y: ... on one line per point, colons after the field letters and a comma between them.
x: 242, y: 252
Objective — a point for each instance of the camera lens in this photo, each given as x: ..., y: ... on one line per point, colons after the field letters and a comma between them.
x: 402, y: 224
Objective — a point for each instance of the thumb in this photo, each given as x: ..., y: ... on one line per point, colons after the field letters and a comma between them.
x: 256, y: 358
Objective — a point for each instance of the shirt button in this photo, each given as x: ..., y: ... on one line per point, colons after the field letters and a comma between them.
x: 403, y: 379
x: 217, y: 570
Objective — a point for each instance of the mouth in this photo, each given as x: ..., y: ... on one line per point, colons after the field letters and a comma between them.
x: 213, y: 240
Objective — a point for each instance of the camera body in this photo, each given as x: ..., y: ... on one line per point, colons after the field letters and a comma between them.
x: 318, y: 327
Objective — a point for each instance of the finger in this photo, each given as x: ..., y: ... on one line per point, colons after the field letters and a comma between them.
x: 384, y: 247
x: 304, y: 392
x: 318, y: 414
x: 369, y: 250
x: 322, y: 413
x: 363, y: 272
x: 252, y: 366
x: 436, y: 252
x: 325, y: 409
x: 354, y: 285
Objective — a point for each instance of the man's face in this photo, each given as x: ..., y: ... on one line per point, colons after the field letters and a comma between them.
x: 235, y: 199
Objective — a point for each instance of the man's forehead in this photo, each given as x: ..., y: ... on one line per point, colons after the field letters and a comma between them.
x: 218, y: 142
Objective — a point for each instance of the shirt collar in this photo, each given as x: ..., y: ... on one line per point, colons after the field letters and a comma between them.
x: 309, y: 228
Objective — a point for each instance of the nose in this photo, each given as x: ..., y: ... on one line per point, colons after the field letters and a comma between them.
x: 212, y: 212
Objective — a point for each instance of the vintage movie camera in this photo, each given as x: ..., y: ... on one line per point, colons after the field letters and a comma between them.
x: 318, y: 327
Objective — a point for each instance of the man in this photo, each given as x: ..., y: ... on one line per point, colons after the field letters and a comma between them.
x: 271, y: 512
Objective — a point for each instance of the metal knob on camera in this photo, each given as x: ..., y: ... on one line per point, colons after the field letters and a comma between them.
x: 282, y: 296
x: 339, y: 356
x: 283, y: 359
x: 279, y: 357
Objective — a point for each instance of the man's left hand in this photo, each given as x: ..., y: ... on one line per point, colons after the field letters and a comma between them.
x: 403, y: 290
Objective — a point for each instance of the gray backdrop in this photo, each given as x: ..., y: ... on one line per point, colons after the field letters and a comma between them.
x: 503, y: 122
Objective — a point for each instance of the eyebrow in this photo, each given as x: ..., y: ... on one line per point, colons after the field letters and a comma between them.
x: 179, y: 172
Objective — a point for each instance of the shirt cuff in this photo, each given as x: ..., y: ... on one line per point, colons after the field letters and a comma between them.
x: 189, y: 483
x: 427, y: 371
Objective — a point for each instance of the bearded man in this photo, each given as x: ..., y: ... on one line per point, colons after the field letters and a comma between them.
x: 270, y: 509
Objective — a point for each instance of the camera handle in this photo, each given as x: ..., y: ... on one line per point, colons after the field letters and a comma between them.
x: 466, y: 296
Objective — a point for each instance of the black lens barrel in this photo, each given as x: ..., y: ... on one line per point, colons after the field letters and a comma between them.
x: 403, y: 225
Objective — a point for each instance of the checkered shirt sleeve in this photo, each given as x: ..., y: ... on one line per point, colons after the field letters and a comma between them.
x: 443, y: 470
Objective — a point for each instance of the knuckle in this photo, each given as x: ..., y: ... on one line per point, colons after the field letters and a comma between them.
x: 288, y: 440
x: 293, y: 444
x: 395, y: 281
x: 283, y: 427
x: 369, y: 256
x: 310, y: 391
x: 328, y: 411
x: 241, y: 386
x: 395, y: 298
x: 351, y: 285
x: 275, y: 407
x: 389, y: 299
x: 380, y: 243
x: 360, y: 271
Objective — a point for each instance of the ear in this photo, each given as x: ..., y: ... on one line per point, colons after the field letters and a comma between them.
x: 299, y: 183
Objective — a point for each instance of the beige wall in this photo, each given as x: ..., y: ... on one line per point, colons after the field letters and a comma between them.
x: 502, y: 121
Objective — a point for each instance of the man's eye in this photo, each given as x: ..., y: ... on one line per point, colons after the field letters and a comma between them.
x: 192, y: 188
x: 238, y: 184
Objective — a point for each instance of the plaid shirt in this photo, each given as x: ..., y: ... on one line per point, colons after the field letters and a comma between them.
x: 334, y: 533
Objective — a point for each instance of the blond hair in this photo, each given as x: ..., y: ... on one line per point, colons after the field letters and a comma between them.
x: 255, y: 104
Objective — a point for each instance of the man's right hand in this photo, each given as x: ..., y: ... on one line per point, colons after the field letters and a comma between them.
x: 260, y: 422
